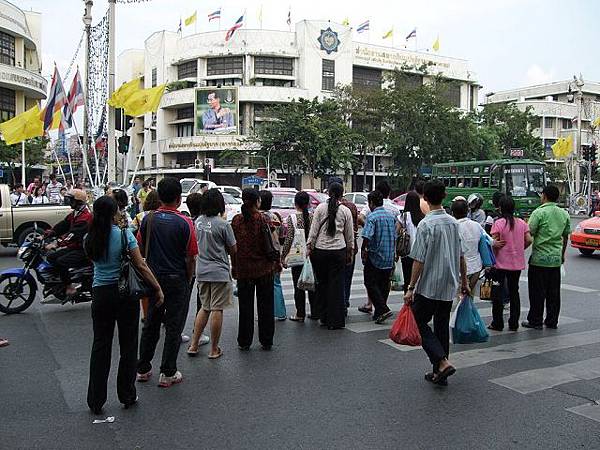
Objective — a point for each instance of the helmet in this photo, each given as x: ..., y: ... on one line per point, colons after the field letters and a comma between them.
x: 459, y: 198
x: 475, y: 201
x: 77, y: 194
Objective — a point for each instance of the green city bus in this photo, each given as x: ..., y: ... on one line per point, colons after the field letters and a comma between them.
x: 524, y: 179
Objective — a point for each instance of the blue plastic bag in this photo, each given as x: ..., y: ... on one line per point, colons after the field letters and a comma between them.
x: 279, y: 301
x: 488, y: 259
x: 467, y: 326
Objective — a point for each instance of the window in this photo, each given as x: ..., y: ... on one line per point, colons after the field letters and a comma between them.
x: 224, y: 82
x: 567, y: 124
x: 410, y: 80
x: 225, y: 66
x: 185, y: 129
x: 185, y: 113
x: 154, y: 160
x: 267, y: 65
x: 7, y: 104
x: 451, y: 92
x: 366, y: 78
x: 7, y: 49
x: 272, y: 82
x: 187, y: 70
x: 328, y: 72
x: 473, y: 92
x: 549, y: 122
x: 187, y: 158
x: 153, y: 135
x: 154, y: 77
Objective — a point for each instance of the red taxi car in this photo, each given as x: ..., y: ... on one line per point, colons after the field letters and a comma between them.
x: 586, y: 236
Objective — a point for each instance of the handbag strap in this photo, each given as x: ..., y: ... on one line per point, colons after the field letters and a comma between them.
x: 124, y: 252
x: 148, y: 231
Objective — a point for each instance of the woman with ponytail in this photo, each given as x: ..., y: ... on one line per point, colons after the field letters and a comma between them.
x: 253, y: 269
x: 510, y: 261
x: 104, y: 246
x: 298, y: 226
x: 330, y: 246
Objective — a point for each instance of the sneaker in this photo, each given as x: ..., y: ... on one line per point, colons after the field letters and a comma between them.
x: 204, y: 339
x: 383, y: 317
x: 185, y: 338
x: 131, y: 403
x: 143, y: 377
x: 165, y: 381
x: 51, y: 300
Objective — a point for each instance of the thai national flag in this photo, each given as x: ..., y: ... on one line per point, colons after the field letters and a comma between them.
x: 363, y: 27
x: 236, y: 25
x: 412, y: 34
x: 74, y: 99
x: 215, y: 15
x: 56, y: 100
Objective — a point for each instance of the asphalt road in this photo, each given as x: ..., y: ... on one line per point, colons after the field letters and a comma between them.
x: 317, y: 389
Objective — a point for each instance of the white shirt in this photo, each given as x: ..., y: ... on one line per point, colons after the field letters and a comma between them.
x: 19, y: 199
x: 388, y: 205
x: 41, y: 200
x: 53, y: 192
x: 470, y: 233
x: 407, y: 223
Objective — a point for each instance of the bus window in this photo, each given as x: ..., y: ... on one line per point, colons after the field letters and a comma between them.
x: 445, y: 182
x: 516, y: 180
x: 536, y: 179
x: 475, y: 182
x: 495, y: 178
x: 452, y: 182
x: 485, y: 182
x: 467, y: 182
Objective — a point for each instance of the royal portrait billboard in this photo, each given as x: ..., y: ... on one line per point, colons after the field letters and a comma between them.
x: 217, y: 110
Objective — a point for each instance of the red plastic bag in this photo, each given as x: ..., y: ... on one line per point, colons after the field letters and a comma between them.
x: 405, y: 330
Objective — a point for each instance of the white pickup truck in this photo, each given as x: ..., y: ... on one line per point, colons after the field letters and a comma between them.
x: 17, y: 223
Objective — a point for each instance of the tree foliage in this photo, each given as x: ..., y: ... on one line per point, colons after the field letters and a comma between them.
x: 34, y: 151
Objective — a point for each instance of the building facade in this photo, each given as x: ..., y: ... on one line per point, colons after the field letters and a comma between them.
x: 254, y: 70
x: 557, y: 107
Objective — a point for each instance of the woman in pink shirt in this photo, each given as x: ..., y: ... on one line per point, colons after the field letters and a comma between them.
x: 510, y: 260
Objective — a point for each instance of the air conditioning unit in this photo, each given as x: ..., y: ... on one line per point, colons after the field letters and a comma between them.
x: 197, y: 164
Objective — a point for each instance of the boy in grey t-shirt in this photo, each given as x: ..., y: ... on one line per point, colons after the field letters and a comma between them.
x: 216, y: 242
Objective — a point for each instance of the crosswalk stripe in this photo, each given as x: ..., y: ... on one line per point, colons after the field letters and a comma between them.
x: 569, y: 287
x: 539, y: 379
x: 513, y: 350
x: 589, y: 410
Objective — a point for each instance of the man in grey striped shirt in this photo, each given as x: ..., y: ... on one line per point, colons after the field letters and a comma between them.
x: 438, y: 267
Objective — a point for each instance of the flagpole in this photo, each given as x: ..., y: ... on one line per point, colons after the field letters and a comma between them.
x: 83, y: 156
x: 87, y: 20
x: 23, y: 163
x: 69, y: 159
x: 59, y: 165
x: 111, y: 87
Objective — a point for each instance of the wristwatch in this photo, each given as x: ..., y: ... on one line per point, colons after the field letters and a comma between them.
x: 410, y: 287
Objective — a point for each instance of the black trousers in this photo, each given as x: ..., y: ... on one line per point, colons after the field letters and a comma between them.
x: 329, y: 268
x: 348, y: 275
x: 436, y: 343
x: 544, y: 288
x: 173, y: 312
x: 65, y: 258
x: 108, y: 309
x: 265, y: 310
x: 300, y: 297
x: 377, y: 282
x: 407, y: 263
x: 511, y: 278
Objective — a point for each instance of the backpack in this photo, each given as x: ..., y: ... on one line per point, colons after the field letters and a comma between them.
x: 403, y: 241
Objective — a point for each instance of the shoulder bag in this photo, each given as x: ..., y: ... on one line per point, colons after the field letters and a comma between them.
x: 271, y: 250
x: 297, y: 253
x: 131, y: 284
x: 403, y: 242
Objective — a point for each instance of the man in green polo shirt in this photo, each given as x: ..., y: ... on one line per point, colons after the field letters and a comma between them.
x: 550, y: 227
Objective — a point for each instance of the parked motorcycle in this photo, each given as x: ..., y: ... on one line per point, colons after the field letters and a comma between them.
x: 18, y: 287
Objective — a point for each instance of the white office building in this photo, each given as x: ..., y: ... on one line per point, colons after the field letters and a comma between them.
x: 557, y: 106
x: 261, y: 68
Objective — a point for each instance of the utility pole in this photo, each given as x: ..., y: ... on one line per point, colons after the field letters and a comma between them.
x: 112, y: 151
x: 579, y: 84
x: 87, y: 21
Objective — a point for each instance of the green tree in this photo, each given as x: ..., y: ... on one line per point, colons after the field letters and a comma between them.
x: 512, y: 127
x: 311, y: 136
x: 34, y: 152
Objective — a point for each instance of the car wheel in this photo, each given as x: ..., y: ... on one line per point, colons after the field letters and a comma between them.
x: 586, y: 251
x: 28, y: 234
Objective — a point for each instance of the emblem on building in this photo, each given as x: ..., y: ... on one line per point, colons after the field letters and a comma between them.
x: 329, y: 41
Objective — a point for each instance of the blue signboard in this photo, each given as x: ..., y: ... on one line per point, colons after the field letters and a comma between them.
x: 1, y: 173
x: 252, y: 180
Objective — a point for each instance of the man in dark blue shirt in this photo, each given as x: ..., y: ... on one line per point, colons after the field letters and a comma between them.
x: 378, y: 254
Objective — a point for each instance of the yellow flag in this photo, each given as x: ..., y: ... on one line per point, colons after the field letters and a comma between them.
x: 24, y: 126
x: 596, y: 122
x: 118, y: 98
x: 436, y: 44
x: 346, y: 22
x: 56, y: 119
x: 389, y: 34
x: 190, y: 20
x: 144, y: 101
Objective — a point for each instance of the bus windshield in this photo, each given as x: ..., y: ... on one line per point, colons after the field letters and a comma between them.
x: 524, y: 181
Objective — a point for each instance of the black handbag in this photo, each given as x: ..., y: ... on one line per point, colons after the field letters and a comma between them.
x: 403, y: 242
x: 131, y: 284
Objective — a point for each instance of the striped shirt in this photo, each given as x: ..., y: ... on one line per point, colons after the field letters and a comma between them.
x: 438, y: 246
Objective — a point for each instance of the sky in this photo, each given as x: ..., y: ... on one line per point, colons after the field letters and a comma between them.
x: 508, y: 43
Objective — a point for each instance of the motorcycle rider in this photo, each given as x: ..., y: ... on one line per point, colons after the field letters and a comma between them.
x: 68, y: 249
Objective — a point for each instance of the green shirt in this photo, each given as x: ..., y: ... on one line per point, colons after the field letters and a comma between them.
x: 548, y: 225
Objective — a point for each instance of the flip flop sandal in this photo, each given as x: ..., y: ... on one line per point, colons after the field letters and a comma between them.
x: 297, y: 319
x: 218, y: 355
x: 192, y: 353
x: 442, y: 376
x: 429, y: 377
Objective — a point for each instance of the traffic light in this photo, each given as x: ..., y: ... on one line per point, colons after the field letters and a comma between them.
x: 123, y: 144
x: 593, y: 152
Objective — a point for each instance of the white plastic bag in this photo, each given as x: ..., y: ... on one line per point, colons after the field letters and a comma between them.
x: 398, y: 278
x: 297, y: 253
x: 563, y: 272
x: 306, y: 282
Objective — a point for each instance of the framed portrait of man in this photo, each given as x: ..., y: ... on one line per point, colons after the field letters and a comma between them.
x: 217, y: 111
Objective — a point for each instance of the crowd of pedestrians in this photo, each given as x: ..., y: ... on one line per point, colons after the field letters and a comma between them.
x: 440, y: 260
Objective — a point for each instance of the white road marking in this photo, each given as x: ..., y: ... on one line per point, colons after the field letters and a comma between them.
x: 589, y: 410
x: 569, y: 287
x: 540, y: 379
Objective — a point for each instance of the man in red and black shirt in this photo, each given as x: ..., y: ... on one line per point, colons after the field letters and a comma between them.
x: 69, y: 245
x: 168, y: 241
